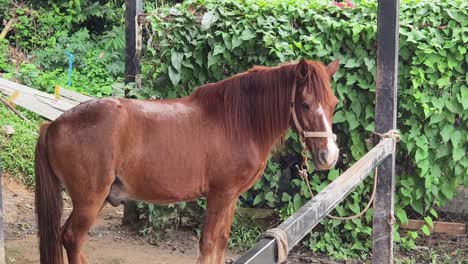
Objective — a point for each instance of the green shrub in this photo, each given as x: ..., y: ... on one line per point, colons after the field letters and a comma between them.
x: 41, y: 24
x: 4, y: 60
x: 4, y: 10
x: 209, y: 40
x: 17, y: 150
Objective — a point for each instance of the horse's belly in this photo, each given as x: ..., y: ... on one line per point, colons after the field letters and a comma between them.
x: 164, y: 183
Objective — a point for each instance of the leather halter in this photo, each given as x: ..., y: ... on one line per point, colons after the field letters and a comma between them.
x: 303, y: 134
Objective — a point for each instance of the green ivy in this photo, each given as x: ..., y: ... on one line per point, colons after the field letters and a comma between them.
x: 204, y: 41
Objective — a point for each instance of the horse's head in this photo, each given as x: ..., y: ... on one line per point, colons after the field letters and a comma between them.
x: 313, y: 105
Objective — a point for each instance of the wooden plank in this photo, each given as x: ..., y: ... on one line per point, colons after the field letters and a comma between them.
x: 33, y: 104
x: 133, y: 8
x: 2, y: 231
x: 8, y: 87
x: 310, y: 214
x: 385, y: 120
x: 438, y: 226
x: 74, y: 96
x: 42, y: 103
x: 132, y: 62
x: 255, y: 213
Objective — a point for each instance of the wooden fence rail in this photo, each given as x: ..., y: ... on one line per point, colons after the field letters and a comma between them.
x: 309, y: 215
x: 2, y: 245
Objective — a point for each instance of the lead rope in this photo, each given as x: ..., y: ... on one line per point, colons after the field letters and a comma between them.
x: 281, y: 241
x: 302, y: 171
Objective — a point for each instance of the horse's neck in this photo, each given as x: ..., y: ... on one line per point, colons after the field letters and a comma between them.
x: 242, y: 119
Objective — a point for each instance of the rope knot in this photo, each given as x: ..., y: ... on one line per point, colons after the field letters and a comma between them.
x: 281, y: 241
x: 392, y: 133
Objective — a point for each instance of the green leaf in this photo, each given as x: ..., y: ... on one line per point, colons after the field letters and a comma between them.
x: 174, y: 76
x: 358, y: 245
x: 351, y: 63
x: 425, y: 230
x: 333, y: 174
x: 446, y: 133
x: 447, y: 190
x: 434, y: 213
x: 413, y: 235
x: 209, y: 18
x: 401, y: 215
x: 236, y: 42
x: 443, y: 82
x: 370, y: 63
x: 339, y: 117
x: 429, y: 221
x: 297, y: 202
x: 286, y: 197
x: 352, y: 120
x: 258, y: 199
x: 455, y: 137
x: 461, y: 18
x: 218, y: 49
x: 354, y: 208
x: 464, y: 98
x: 269, y: 197
x: 176, y: 59
x: 417, y: 206
x: 212, y: 60
x: 247, y: 35
x: 458, y: 154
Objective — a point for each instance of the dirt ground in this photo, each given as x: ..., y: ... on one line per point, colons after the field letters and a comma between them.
x: 111, y: 243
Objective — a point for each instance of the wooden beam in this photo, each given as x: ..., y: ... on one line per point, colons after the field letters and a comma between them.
x: 41, y: 103
x: 385, y: 120
x: 310, y: 214
x: 437, y: 226
x: 74, y: 97
x: 8, y: 27
x: 14, y: 110
x: 132, y: 62
x: 133, y: 8
x: 34, y: 105
x: 2, y: 245
x: 255, y: 213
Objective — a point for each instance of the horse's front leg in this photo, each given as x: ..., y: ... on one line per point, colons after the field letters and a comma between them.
x: 218, y: 219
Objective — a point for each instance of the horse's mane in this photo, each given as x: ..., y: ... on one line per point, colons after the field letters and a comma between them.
x: 257, y: 102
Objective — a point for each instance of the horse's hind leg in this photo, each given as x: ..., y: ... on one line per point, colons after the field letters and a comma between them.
x: 75, y: 230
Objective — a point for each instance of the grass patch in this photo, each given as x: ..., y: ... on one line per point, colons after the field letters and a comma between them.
x: 244, y: 233
x: 433, y: 255
x: 17, y: 150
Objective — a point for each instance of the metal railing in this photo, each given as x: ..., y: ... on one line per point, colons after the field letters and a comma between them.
x: 310, y: 214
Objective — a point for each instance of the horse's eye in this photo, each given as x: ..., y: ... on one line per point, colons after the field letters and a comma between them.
x: 306, y: 106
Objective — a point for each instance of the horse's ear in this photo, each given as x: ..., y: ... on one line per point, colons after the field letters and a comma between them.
x: 302, y: 70
x: 333, y: 67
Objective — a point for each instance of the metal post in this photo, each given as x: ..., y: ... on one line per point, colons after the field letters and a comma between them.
x: 132, y: 69
x: 385, y: 119
x: 2, y: 245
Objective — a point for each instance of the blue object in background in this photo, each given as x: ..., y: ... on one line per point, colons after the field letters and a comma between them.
x: 70, y: 67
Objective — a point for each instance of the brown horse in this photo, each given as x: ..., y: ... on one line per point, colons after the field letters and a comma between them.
x: 213, y: 143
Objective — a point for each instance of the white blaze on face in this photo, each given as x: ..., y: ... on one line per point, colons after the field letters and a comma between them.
x: 332, y: 148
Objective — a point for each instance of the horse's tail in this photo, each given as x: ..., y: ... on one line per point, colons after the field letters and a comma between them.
x: 48, y: 204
